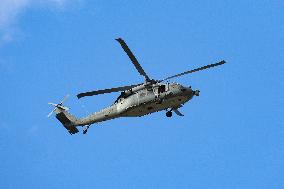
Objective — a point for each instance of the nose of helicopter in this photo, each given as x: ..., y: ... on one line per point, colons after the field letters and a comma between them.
x: 189, y: 92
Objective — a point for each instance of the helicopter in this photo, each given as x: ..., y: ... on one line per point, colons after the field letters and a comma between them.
x: 134, y: 100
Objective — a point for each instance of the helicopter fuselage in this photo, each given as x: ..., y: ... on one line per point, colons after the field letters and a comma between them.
x: 142, y: 102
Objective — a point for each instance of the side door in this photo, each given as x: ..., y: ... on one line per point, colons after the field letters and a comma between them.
x: 141, y: 96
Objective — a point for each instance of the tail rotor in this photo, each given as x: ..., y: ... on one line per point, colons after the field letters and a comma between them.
x: 59, y: 106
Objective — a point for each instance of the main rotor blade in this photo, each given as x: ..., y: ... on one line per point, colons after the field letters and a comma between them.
x: 103, y: 91
x: 195, y: 70
x: 132, y: 58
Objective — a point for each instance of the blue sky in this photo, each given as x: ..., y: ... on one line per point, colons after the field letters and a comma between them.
x: 230, y: 137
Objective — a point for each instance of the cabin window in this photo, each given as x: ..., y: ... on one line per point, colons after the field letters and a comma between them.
x: 162, y: 89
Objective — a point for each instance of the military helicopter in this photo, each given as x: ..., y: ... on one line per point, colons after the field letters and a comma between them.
x: 134, y: 100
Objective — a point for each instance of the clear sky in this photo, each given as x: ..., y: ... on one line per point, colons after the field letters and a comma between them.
x: 230, y: 137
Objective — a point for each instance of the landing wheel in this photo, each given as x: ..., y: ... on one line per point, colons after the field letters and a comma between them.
x: 169, y: 114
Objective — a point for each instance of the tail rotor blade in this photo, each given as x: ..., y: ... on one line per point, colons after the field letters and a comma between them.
x: 53, y: 104
x: 64, y: 99
x: 51, y: 112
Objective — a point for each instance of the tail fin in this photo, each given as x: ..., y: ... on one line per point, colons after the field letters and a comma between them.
x: 62, y: 114
x: 67, y: 120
